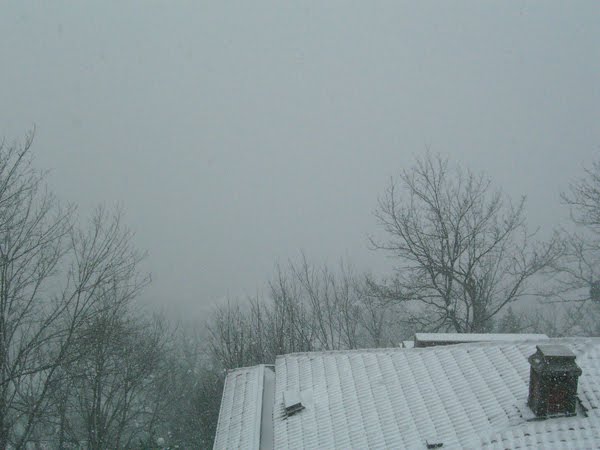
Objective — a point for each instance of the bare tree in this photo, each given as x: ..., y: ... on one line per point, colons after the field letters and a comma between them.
x: 111, y: 380
x: 462, y: 249
x: 583, y: 197
x: 193, y: 387
x: 290, y: 325
x: 332, y: 305
x: 309, y: 308
x: 230, y: 337
x: 579, y: 269
x: 323, y: 306
x: 575, y: 277
x: 383, y: 323
x: 50, y: 275
x: 33, y: 234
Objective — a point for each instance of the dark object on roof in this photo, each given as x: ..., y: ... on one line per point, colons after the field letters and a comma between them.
x: 292, y: 403
x: 553, y: 381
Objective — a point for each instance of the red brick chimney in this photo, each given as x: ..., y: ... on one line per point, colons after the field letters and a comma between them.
x: 553, y: 381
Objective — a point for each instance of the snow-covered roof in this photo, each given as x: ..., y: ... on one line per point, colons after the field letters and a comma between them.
x: 468, y: 395
x: 477, y: 337
x: 407, y: 344
x: 247, y: 397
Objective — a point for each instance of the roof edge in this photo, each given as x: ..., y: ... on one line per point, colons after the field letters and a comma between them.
x: 259, y: 401
x: 259, y: 404
x: 547, y: 340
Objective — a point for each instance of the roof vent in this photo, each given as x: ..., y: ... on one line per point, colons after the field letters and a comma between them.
x: 553, y: 381
x: 292, y: 403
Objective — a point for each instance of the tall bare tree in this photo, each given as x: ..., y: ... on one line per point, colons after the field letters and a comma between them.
x: 51, y: 271
x: 583, y: 197
x: 308, y: 308
x: 576, y: 275
x: 111, y: 381
x: 462, y: 250
x: 193, y: 389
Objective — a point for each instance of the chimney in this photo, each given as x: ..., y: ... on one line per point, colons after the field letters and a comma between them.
x: 553, y: 381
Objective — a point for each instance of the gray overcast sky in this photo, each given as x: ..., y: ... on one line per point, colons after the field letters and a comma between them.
x: 236, y: 134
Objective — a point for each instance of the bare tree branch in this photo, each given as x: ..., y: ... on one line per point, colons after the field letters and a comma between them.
x: 462, y: 249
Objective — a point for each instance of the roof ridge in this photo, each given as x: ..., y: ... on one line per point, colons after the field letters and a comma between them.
x: 353, y: 350
x: 571, y: 339
x: 239, y: 369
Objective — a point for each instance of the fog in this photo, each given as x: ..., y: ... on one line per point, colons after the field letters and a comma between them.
x: 236, y: 135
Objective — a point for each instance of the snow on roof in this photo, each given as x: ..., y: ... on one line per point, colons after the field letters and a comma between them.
x: 472, y: 395
x: 571, y: 433
x: 407, y: 344
x: 402, y: 398
x: 477, y: 337
x: 240, y: 415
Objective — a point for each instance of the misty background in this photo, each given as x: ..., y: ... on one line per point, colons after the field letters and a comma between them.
x: 237, y: 135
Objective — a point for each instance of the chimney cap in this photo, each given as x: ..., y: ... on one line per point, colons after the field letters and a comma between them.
x: 555, y: 351
x: 554, y: 358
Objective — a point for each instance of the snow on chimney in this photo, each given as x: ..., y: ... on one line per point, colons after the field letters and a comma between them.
x: 553, y: 381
